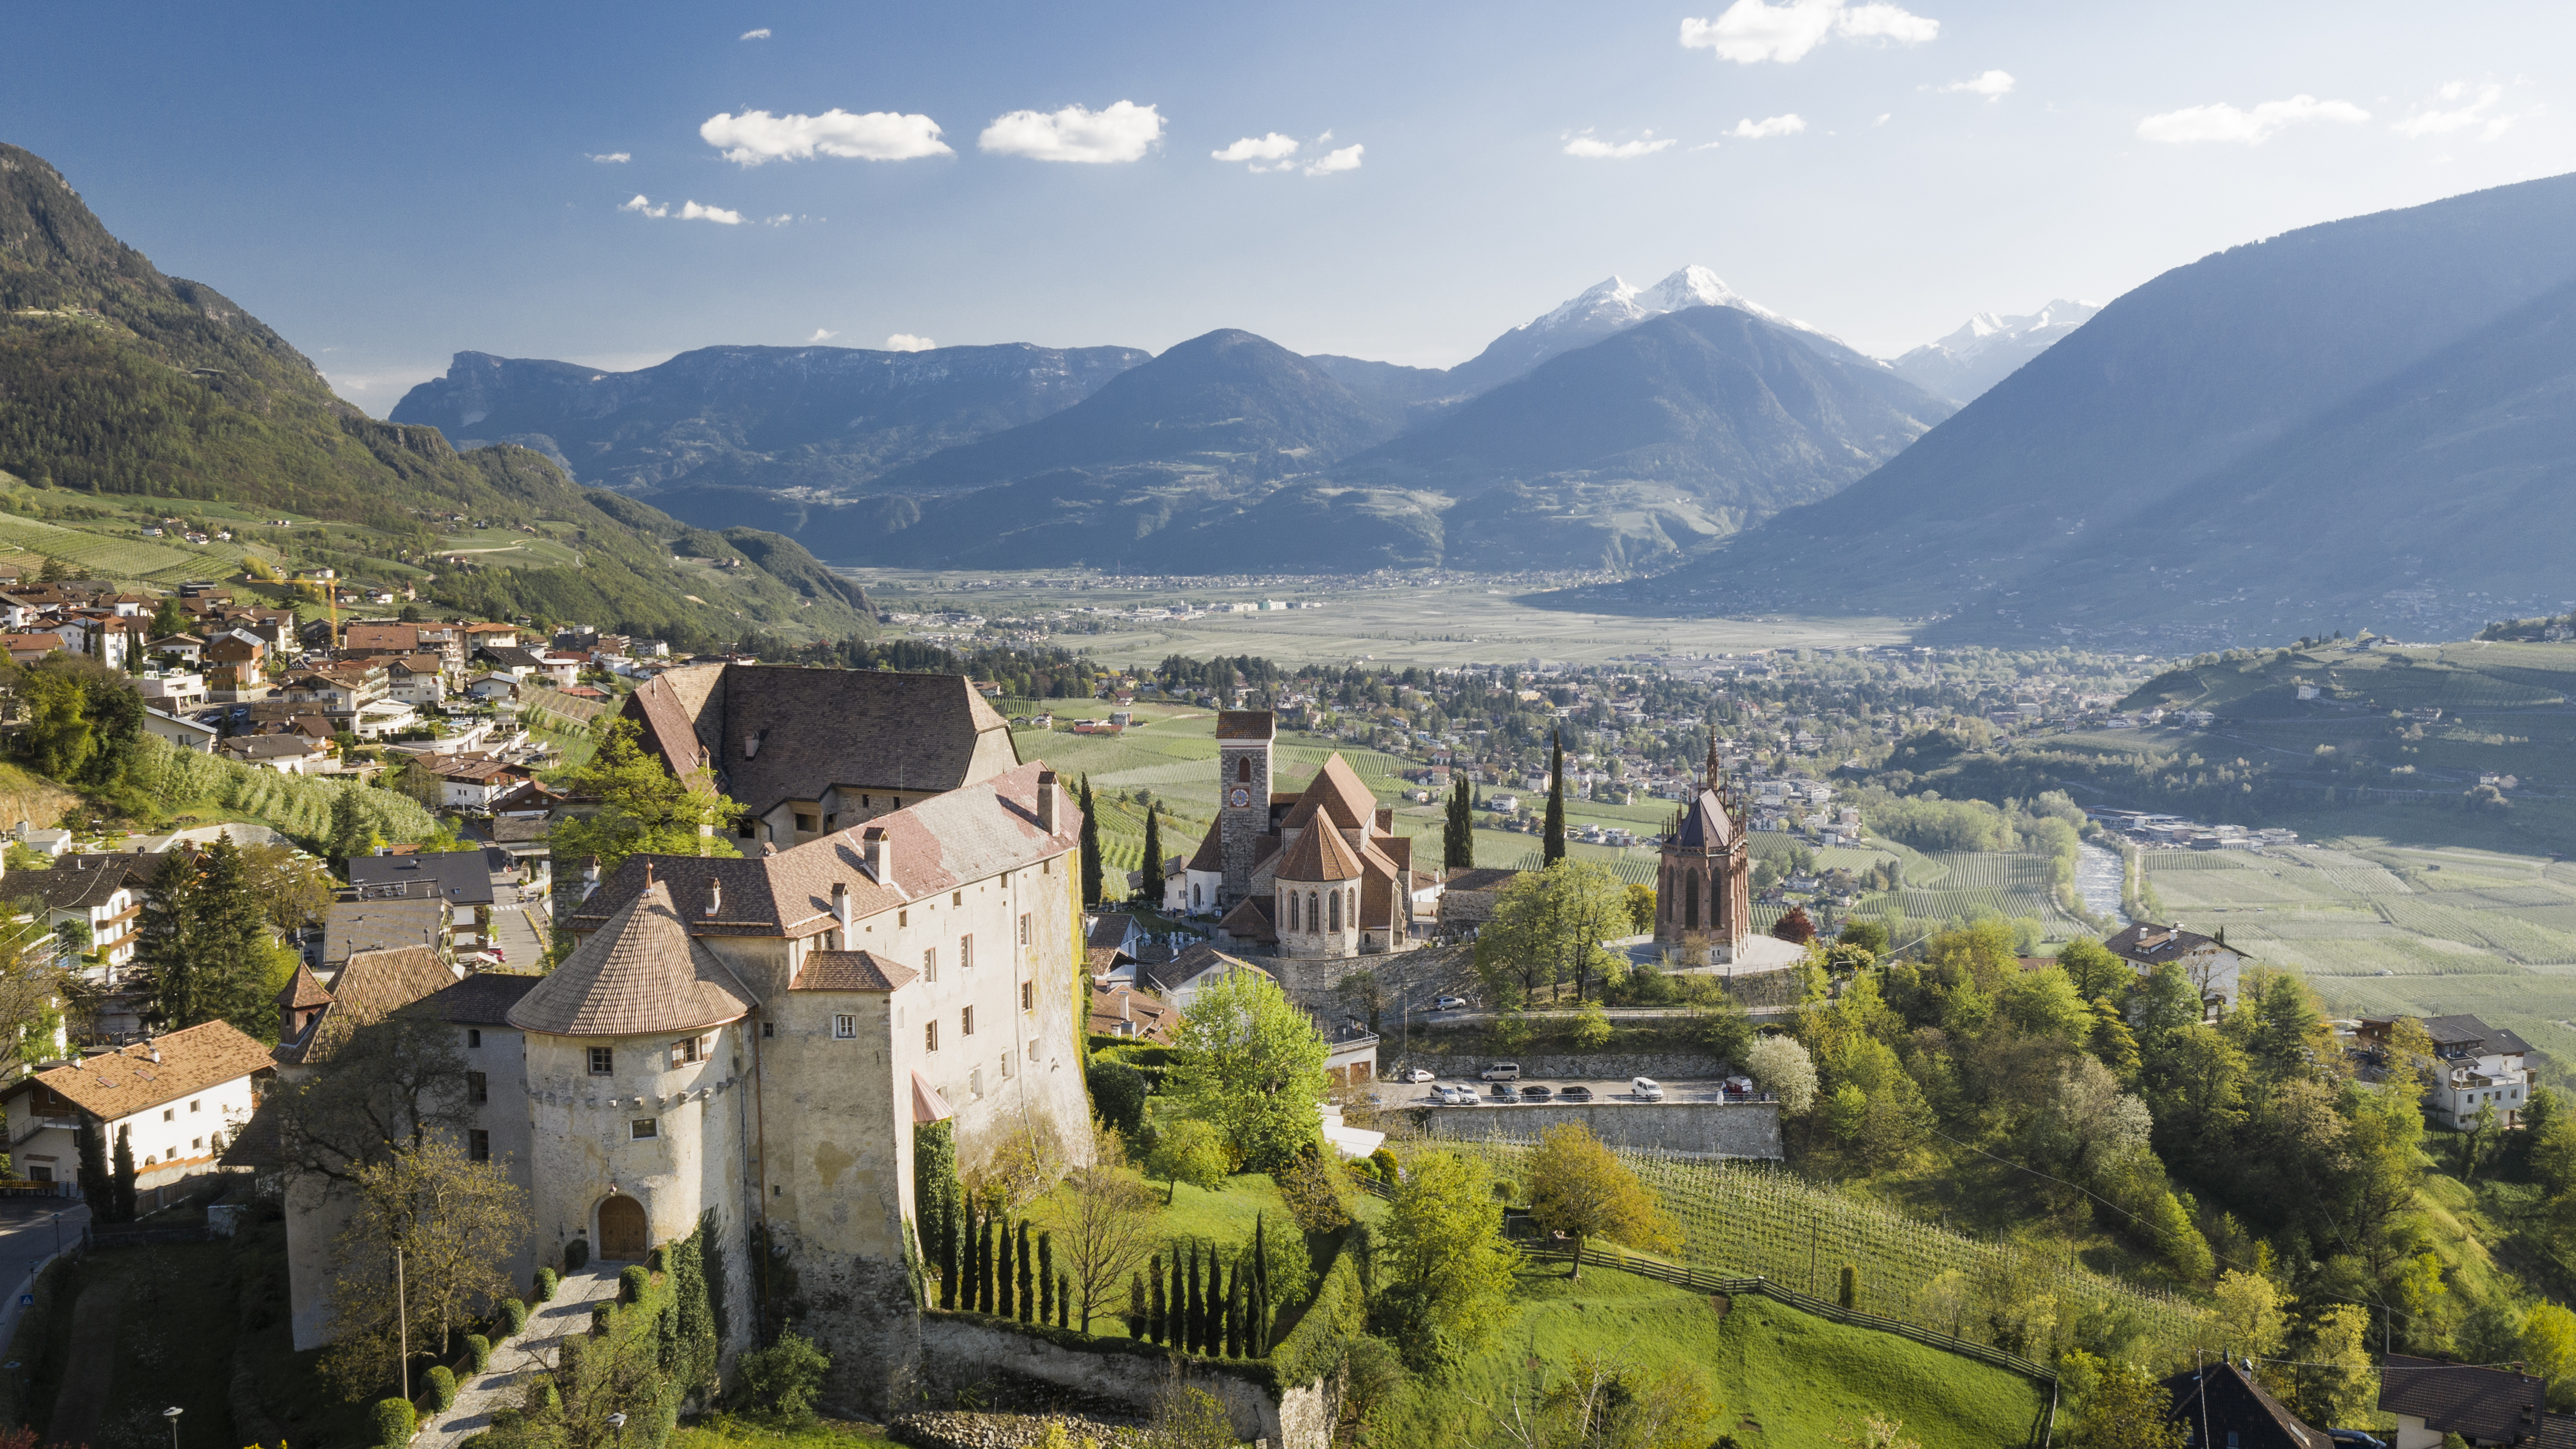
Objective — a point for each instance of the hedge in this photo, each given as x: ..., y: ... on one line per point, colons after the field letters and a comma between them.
x: 546, y: 1281
x: 395, y: 1423
x: 631, y: 1282
x: 478, y: 1349
x: 442, y: 1387
x: 514, y: 1317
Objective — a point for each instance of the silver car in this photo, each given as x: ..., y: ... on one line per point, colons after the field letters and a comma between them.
x: 1647, y: 1089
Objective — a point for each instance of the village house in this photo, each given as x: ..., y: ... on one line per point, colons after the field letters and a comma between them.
x: 2484, y: 1406
x: 287, y: 754
x: 2206, y: 961
x: 176, y: 1099
x: 461, y: 878
x: 2475, y: 1066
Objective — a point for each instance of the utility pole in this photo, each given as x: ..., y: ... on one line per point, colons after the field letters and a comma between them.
x: 402, y: 1322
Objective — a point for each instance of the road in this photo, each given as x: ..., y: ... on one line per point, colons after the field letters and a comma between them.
x: 30, y: 1228
x: 520, y: 945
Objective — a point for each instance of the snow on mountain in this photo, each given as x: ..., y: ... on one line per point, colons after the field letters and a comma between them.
x: 1988, y: 348
x: 1597, y: 312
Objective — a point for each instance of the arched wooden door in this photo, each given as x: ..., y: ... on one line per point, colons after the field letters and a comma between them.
x: 621, y: 1228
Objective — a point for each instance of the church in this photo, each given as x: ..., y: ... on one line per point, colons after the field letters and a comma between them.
x: 754, y: 1041
x: 1704, y: 882
x: 1317, y: 872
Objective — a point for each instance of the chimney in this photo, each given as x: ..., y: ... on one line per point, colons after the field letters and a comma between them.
x: 878, y: 853
x: 715, y: 896
x: 1047, y: 808
x: 1126, y: 1006
x: 841, y: 911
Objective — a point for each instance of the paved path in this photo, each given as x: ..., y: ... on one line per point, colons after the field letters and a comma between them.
x: 514, y: 928
x: 80, y: 1404
x: 517, y: 1360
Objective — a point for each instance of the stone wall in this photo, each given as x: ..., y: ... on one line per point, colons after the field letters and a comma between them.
x: 1581, y: 1066
x: 955, y: 1351
x: 1706, y: 1129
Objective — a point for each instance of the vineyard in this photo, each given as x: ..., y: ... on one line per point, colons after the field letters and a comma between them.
x: 299, y: 805
x: 116, y: 558
x: 1970, y: 883
x: 1758, y: 1220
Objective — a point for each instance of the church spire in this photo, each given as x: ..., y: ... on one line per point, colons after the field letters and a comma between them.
x: 1713, y: 775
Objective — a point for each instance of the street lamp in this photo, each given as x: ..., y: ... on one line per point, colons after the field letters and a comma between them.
x: 172, y: 1414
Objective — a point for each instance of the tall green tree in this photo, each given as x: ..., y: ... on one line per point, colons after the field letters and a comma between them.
x: 1458, y: 830
x: 234, y: 967
x: 1090, y: 850
x: 1548, y: 926
x: 1252, y: 1065
x: 123, y: 1195
x: 165, y: 937
x: 1552, y: 844
x: 1150, y: 873
x: 644, y: 809
x: 1444, y: 1269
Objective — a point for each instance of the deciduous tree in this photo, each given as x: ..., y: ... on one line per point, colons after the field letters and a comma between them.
x: 1444, y: 1269
x: 1548, y: 926
x: 1252, y: 1064
x: 1188, y: 1151
x: 1580, y: 1188
x: 644, y: 809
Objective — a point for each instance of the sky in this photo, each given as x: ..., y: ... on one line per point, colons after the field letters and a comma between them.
x: 612, y: 184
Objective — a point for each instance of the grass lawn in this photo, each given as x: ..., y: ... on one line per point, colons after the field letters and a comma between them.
x: 1778, y: 1377
x: 748, y: 1431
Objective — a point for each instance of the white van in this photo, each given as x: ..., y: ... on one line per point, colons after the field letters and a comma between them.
x: 1503, y: 1072
x: 1647, y: 1089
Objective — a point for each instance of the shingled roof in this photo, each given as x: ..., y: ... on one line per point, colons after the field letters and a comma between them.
x: 640, y: 975
x: 1706, y: 825
x: 121, y: 1083
x: 368, y: 986
x: 303, y: 989
x: 850, y: 971
x: 2483, y: 1405
x: 1336, y: 791
x: 778, y: 732
x: 1319, y: 854
x: 482, y: 999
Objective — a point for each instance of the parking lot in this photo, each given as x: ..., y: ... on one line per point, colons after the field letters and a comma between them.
x: 1410, y: 1094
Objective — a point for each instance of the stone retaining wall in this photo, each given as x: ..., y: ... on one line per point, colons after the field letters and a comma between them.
x: 955, y: 1352
x: 1706, y: 1129
x: 961, y: 1430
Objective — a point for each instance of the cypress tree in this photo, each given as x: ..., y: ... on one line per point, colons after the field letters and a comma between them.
x: 124, y: 1175
x: 1259, y: 1332
x: 1028, y: 1279
x: 1002, y: 1275
x: 1552, y: 844
x: 1090, y: 850
x: 1064, y: 1300
x: 1135, y: 1314
x: 1154, y: 1319
x: 97, y: 1184
x: 1193, y: 1320
x: 984, y: 1266
x: 1238, y: 1309
x: 1046, y: 1278
x: 1213, y: 1333
x: 1151, y: 875
x: 1458, y: 832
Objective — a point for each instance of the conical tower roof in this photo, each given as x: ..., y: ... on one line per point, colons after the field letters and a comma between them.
x: 641, y: 974
x: 1320, y: 854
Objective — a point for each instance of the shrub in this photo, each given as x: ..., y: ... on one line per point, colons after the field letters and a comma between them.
x: 395, y: 1423
x: 784, y: 1377
x: 632, y: 1280
x: 576, y: 1255
x: 546, y: 1281
x: 1384, y: 1161
x: 1317, y: 1195
x: 442, y: 1387
x: 478, y: 1349
x: 514, y: 1317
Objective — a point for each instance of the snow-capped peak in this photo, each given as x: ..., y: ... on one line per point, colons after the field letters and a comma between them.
x: 1986, y: 328
x: 1614, y: 304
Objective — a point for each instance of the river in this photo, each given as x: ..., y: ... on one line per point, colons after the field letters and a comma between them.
x: 2098, y: 877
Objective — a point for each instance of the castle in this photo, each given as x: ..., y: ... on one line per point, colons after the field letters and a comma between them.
x: 755, y: 1041
x: 1317, y: 873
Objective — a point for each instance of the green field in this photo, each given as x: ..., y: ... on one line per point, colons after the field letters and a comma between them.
x: 2382, y: 929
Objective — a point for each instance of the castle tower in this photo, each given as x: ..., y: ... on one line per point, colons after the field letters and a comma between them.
x: 1704, y: 889
x: 1243, y: 745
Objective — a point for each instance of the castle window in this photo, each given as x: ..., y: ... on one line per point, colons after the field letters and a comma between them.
x: 1314, y: 912
x: 930, y: 1035
x: 903, y: 918
x: 1006, y: 1066
x: 644, y: 1129
x: 966, y: 1022
x: 808, y: 824
x: 478, y: 1145
x: 1024, y: 928
x: 602, y: 1061
x: 473, y: 1037
x: 692, y: 1050
x: 1337, y: 910
x: 930, y: 964
x: 1028, y: 996
x: 1243, y: 769
x: 965, y: 953
x: 477, y: 1088
x: 1292, y: 910
x: 845, y: 1026
x: 1033, y: 1048
x: 956, y: 898
x: 975, y: 1082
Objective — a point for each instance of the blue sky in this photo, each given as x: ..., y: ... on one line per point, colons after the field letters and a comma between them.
x: 391, y: 184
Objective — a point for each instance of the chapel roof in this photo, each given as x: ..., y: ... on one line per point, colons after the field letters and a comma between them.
x: 1319, y: 854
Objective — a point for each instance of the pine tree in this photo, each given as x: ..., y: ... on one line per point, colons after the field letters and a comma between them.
x: 165, y: 939
x: 1150, y: 876
x: 233, y: 947
x: 1458, y: 832
x: 97, y: 1184
x: 124, y: 1205
x: 1552, y: 844
x: 1090, y: 850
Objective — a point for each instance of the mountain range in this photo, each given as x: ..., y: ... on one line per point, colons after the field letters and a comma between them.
x: 117, y: 381
x: 1679, y: 433
x: 1988, y: 349
x: 2360, y: 423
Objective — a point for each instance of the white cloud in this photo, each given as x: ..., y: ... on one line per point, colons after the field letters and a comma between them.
x: 1593, y: 148
x: 1124, y: 131
x: 1992, y: 84
x: 2223, y: 122
x: 761, y: 34
x: 906, y: 342
x: 1751, y: 31
x: 2473, y: 116
x: 821, y: 334
x: 611, y: 158
x: 1882, y: 118
x: 1346, y: 158
x: 689, y: 211
x: 1748, y: 129
x: 756, y: 137
x: 781, y: 219
x: 1257, y: 150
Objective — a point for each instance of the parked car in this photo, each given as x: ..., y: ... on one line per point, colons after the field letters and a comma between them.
x: 1450, y: 1003
x: 1741, y: 1086
x: 1574, y: 1094
x: 1421, y: 1074
x: 1460, y: 1097
x: 1502, y: 1091
x: 1647, y: 1089
x: 1534, y: 1092
x: 1503, y: 1072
